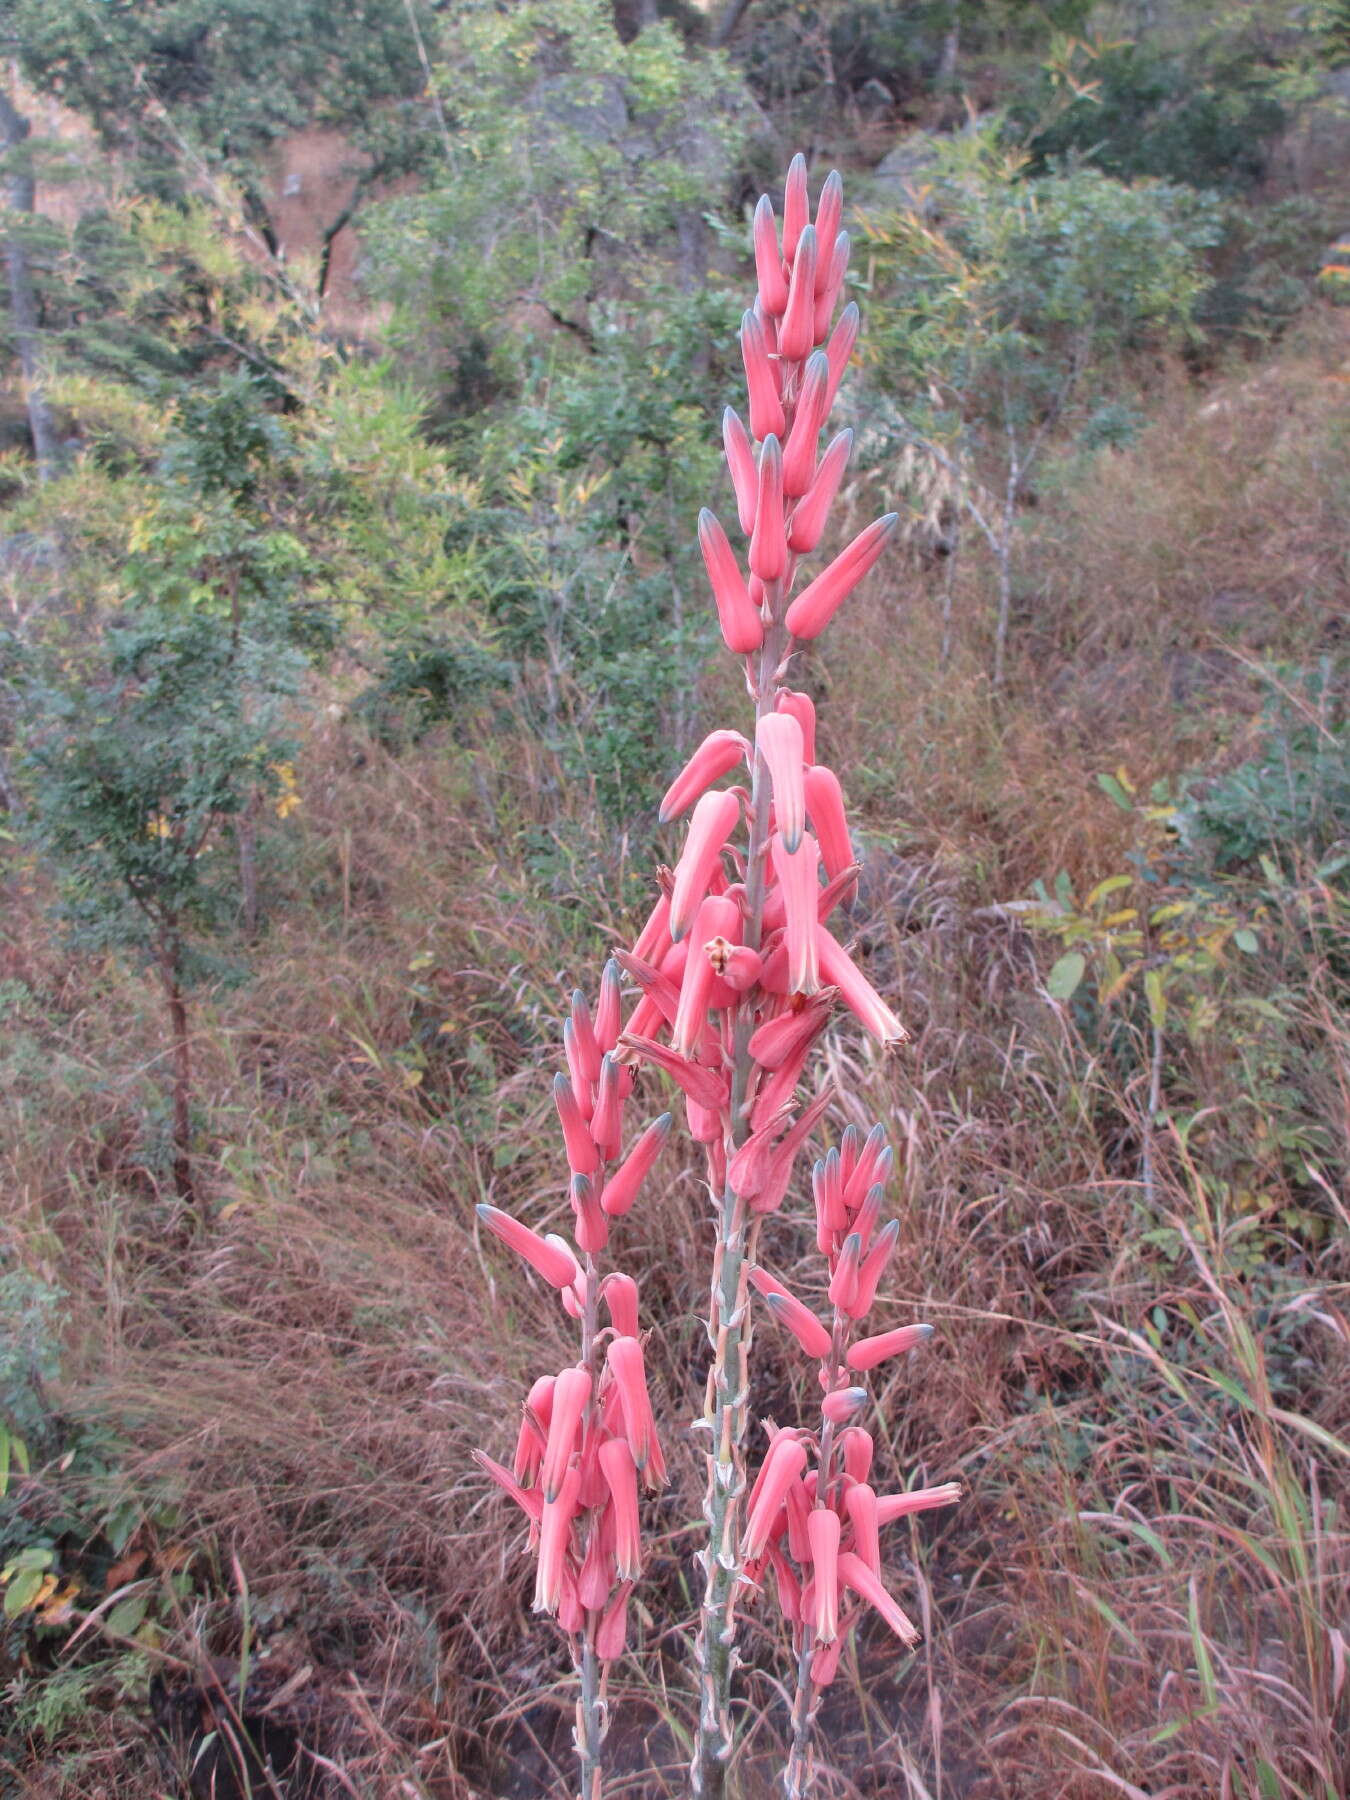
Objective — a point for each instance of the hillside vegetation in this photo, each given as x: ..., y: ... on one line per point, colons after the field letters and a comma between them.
x: 352, y: 627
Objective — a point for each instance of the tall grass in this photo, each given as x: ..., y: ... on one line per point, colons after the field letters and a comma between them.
x: 1146, y: 1593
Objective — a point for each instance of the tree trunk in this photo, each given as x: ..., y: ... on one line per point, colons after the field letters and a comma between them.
x: 170, y: 970
x: 1004, y: 609
x: 19, y: 194
x: 247, y: 834
x: 945, y: 79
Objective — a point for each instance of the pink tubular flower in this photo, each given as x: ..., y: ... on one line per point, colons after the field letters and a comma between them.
x: 800, y: 887
x: 620, y: 1472
x: 822, y: 1530
x: 736, y: 964
x: 825, y: 1662
x: 801, y: 1322
x: 609, y: 1008
x: 749, y: 1165
x: 719, y: 753
x: 799, y: 452
x: 583, y: 1035
x: 660, y: 987
x: 789, y: 1588
x: 778, y: 1090
x: 812, y: 510
x: 624, y: 1357
x: 803, y: 710
x: 845, y: 1277
x: 591, y: 1226
x: 737, y: 614
x: 860, y: 1503
x: 830, y: 286
x: 555, y: 1533
x: 571, y: 1395
x: 607, y: 1116
x: 829, y: 211
x: 654, y: 939
x: 840, y: 1406
x: 529, y: 1500
x: 715, y: 818
x: 782, y: 1466
x: 899, y: 1506
x: 796, y: 205
x: 793, y: 1313
x: 857, y: 992
x: 817, y: 603
x: 857, y: 1449
x: 717, y: 917
x: 779, y: 1170
x: 868, y: 1166
x: 796, y: 328
x: 872, y: 1268
x: 855, y: 1575
x: 840, y: 348
x: 774, y: 1042
x: 773, y: 291
x: 741, y: 464
x: 612, y: 1635
x: 551, y: 1259
x: 535, y: 1415
x: 582, y: 1155
x: 621, y: 1189
x: 768, y: 542
x: 620, y: 1295
x: 870, y: 1351
x: 824, y: 800
x: 703, y: 1086
x: 778, y: 737
x: 766, y: 409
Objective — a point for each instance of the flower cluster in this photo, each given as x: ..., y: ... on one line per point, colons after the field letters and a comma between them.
x: 813, y: 1517
x: 734, y: 976
x: 587, y: 1436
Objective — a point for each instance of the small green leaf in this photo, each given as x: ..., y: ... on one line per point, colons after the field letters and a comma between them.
x: 1246, y: 940
x: 123, y: 1619
x: 1157, y: 999
x: 1062, y: 981
x: 22, y: 1589
x: 1115, y: 792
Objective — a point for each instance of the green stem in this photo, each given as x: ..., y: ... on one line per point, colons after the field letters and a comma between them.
x: 728, y: 1327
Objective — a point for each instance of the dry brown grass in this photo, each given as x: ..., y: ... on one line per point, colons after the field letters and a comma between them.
x: 1142, y: 1594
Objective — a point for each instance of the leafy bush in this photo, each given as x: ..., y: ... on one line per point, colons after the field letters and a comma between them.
x: 1205, y: 116
x: 1291, y: 800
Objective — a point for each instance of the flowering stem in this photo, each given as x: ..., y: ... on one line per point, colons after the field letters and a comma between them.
x: 590, y: 1719
x: 728, y: 1320
x: 799, y: 1770
x: 590, y: 1727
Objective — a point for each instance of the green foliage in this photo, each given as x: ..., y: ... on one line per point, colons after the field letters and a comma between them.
x: 619, y: 148
x: 1176, y: 969
x: 167, y: 77
x: 999, y: 287
x: 30, y: 1356
x: 1204, y: 115
x: 1290, y: 802
x: 136, y: 770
